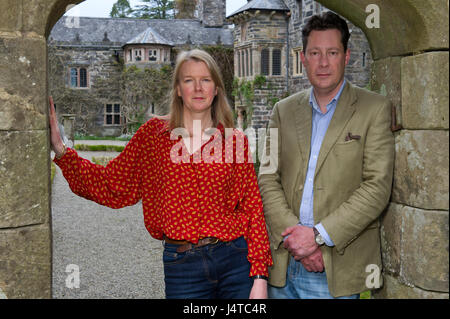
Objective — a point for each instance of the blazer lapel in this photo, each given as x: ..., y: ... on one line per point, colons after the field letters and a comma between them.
x: 303, y: 125
x: 344, y: 111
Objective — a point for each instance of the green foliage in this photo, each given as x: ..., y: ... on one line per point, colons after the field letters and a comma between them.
x: 52, y: 172
x: 99, y: 138
x: 244, y: 93
x: 225, y: 59
x: 259, y: 81
x: 99, y: 148
x: 102, y: 160
x: 139, y: 88
x: 155, y: 9
x: 121, y: 9
x: 365, y: 295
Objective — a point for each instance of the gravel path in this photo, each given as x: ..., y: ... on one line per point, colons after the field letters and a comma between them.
x: 115, y: 255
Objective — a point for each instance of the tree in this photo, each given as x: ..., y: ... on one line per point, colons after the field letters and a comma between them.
x: 121, y: 9
x: 155, y: 9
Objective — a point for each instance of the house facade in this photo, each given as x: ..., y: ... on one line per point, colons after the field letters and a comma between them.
x: 87, y: 57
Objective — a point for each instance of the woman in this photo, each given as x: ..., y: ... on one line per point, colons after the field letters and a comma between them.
x: 204, y: 203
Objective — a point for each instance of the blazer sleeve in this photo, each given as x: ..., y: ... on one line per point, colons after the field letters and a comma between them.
x: 277, y: 212
x: 367, y: 202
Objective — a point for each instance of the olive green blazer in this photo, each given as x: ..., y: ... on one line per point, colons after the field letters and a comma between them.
x: 352, y: 185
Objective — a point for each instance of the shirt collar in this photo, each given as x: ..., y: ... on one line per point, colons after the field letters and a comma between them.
x: 333, y: 102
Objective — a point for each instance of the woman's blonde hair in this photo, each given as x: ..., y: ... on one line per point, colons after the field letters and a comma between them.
x: 220, y: 108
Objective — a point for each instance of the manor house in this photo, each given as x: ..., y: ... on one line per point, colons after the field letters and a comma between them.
x: 265, y: 36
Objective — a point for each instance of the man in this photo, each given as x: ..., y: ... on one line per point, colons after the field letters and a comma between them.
x: 333, y: 178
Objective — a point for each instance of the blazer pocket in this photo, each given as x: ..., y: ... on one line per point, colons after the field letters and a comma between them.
x: 348, y: 142
x: 349, y: 150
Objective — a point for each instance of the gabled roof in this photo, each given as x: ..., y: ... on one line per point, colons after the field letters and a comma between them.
x: 272, y: 5
x: 149, y: 36
x: 91, y: 32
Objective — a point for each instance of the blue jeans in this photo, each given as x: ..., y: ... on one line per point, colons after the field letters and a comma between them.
x: 209, y: 272
x: 302, y: 284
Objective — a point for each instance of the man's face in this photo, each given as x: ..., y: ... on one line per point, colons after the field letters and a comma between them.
x: 325, y: 60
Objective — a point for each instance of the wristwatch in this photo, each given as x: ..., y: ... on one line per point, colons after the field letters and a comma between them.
x: 318, y: 237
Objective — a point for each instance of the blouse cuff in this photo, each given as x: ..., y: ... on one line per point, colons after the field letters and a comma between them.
x: 63, y: 159
x: 259, y: 268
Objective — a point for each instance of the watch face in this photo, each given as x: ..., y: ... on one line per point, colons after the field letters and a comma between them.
x: 319, y: 240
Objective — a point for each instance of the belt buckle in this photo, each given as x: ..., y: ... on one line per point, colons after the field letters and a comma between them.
x: 215, y: 241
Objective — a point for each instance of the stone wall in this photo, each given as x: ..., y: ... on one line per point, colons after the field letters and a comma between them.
x: 413, y: 74
x: 212, y: 12
x: 415, y: 226
x: 86, y: 103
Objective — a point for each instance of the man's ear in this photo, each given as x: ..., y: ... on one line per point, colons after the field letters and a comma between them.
x: 303, y: 58
x: 347, y: 56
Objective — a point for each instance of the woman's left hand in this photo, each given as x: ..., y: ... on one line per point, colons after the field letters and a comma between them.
x: 259, y: 289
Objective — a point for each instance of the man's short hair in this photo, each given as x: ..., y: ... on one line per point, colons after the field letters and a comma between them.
x: 326, y: 21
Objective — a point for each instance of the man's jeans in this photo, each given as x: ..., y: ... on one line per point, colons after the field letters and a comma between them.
x: 213, y: 271
x: 302, y: 284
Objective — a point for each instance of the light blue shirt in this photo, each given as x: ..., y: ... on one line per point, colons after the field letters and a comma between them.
x: 320, y: 123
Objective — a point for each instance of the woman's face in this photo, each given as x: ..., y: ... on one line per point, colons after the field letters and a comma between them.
x: 196, y: 87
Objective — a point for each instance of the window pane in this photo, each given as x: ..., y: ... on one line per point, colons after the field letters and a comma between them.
x: 116, y: 108
x: 117, y: 119
x: 83, y: 78
x: 73, y: 77
x: 265, y: 62
x: 108, y: 108
x: 276, y: 62
x: 251, y: 61
x: 246, y: 63
x: 109, y: 119
x: 239, y: 63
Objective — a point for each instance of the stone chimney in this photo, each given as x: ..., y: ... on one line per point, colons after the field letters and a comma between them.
x: 212, y: 12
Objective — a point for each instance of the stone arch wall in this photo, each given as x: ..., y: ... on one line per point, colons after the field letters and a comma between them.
x: 411, y: 67
x: 410, y: 51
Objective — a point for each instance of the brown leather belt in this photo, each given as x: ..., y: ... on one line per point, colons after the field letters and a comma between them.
x: 184, y: 245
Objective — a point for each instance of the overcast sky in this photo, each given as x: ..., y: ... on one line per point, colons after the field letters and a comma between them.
x: 102, y: 8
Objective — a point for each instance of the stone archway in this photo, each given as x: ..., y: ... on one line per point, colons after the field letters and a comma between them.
x: 25, y: 223
x: 411, y: 67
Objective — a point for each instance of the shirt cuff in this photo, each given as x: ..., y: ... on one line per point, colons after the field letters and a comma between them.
x: 259, y: 268
x: 324, y: 234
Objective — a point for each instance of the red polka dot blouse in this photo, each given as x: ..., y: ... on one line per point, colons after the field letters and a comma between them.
x: 211, y: 193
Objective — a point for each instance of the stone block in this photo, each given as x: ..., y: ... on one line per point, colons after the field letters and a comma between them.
x: 391, y: 225
x: 25, y: 262
x: 24, y: 175
x: 394, y: 289
x: 425, y: 249
x: 23, y: 106
x: 11, y: 15
x: 421, y: 170
x: 386, y: 80
x: 425, y: 93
